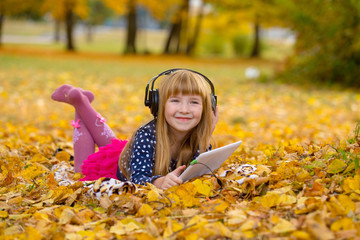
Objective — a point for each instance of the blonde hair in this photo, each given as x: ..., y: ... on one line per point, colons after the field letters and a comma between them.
x: 187, y: 83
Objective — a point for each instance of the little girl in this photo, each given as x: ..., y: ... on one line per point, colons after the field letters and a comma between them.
x: 185, y: 115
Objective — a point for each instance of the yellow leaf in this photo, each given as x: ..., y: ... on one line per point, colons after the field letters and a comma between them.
x: 151, y: 228
x: 100, y: 210
x: 66, y: 216
x: 105, y: 202
x: 270, y: 199
x: 346, y: 202
x: 236, y: 216
x: 352, y: 184
x: 248, y: 225
x: 316, y: 226
x: 275, y: 219
x: 33, y: 234
x: 185, y: 195
x: 303, y: 175
x: 283, y: 226
x: 355, y: 197
x: 40, y: 216
x: 340, y: 205
x: 145, y: 210
x: 4, y: 170
x: 15, y: 200
x: 217, y: 205
x: 38, y: 158
x: 336, y: 166
x: 197, y: 220
x: 286, y: 199
x: 216, y: 229
x: 15, y: 229
x: 192, y: 236
x: 342, y: 224
x: 202, y: 187
x: 172, y: 226
x: 63, y: 156
x: 88, y: 235
x: 153, y: 196
x: 301, y: 235
x: 4, y: 214
x: 190, y: 212
x: 31, y: 172
x: 125, y: 226
x: 19, y: 216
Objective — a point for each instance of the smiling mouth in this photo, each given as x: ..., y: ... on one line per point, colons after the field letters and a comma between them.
x: 183, y: 118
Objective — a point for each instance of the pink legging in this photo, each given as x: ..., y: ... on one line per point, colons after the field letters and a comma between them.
x: 90, y: 127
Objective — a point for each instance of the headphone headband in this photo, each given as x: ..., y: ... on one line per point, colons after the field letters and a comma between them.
x: 152, y: 95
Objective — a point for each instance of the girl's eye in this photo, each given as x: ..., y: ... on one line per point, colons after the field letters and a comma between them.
x: 174, y: 100
x: 194, y: 102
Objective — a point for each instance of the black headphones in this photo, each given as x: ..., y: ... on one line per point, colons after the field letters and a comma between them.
x: 152, y: 95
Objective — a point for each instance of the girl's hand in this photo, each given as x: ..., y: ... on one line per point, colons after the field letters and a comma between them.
x: 171, y: 179
x: 215, y: 118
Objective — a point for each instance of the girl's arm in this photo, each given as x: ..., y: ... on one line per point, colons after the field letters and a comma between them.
x: 171, y: 179
x: 142, y: 156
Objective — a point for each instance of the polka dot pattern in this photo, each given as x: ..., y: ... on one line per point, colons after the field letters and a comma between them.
x: 142, y: 157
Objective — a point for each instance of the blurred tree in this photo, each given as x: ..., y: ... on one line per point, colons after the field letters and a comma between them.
x: 193, y: 38
x: 165, y: 11
x: 2, y: 16
x: 179, y: 24
x: 57, y: 30
x: 127, y: 7
x: 67, y: 11
x: 257, y: 12
x: 15, y: 7
x: 159, y: 9
x: 98, y: 13
x: 183, y: 33
x: 328, y: 40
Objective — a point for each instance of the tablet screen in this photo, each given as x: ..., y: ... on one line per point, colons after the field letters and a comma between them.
x: 212, y: 159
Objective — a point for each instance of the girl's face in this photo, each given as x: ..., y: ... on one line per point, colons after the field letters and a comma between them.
x: 183, y: 112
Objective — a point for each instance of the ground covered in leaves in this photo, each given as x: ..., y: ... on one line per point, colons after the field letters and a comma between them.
x: 304, y: 142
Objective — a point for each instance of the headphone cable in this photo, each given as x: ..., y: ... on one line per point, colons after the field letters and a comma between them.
x: 212, y: 173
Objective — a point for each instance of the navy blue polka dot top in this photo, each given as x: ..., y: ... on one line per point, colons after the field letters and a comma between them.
x: 142, y: 156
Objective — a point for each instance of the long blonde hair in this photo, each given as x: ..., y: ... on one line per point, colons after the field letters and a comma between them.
x: 185, y: 82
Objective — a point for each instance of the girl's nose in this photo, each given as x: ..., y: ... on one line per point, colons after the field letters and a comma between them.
x: 184, y: 107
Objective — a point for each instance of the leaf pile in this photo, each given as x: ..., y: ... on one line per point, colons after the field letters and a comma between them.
x: 311, y: 191
x: 304, y: 144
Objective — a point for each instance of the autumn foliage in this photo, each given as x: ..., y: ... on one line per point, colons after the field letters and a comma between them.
x: 304, y: 144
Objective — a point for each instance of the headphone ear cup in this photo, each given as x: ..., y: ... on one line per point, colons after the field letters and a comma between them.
x: 154, y: 107
x: 213, y: 102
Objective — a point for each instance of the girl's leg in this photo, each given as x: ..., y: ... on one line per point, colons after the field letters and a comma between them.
x: 62, y: 92
x: 84, y: 139
x: 84, y: 144
x: 94, y: 122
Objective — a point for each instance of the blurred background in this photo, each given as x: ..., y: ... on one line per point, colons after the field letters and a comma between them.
x: 284, y: 70
x: 317, y: 40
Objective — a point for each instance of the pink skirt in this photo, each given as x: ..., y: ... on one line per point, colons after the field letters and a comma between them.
x: 103, y: 163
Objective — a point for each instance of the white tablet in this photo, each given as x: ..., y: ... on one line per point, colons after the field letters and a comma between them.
x: 212, y: 159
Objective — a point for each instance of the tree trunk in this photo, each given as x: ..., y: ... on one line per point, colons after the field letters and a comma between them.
x: 57, y: 24
x: 2, y: 17
x: 89, y: 32
x: 69, y: 22
x: 183, y: 35
x: 256, y: 47
x: 193, y: 41
x: 174, y: 40
x: 131, y: 29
